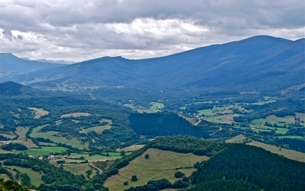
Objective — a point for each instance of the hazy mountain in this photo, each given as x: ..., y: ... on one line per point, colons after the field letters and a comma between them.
x: 260, y: 63
x: 11, y: 66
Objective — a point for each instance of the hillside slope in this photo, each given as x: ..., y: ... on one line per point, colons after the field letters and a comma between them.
x: 254, y: 64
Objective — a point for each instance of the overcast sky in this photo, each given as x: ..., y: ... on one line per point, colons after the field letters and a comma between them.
x: 84, y: 29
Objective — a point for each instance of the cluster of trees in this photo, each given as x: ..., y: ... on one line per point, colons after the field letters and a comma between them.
x: 53, y: 177
x: 16, y: 146
x: 186, y: 144
x: 166, y: 124
x: 296, y: 144
x: 255, y: 166
x: 10, y: 185
x: 276, y: 108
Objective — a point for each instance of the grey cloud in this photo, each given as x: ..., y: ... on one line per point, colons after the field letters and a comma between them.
x: 89, y: 27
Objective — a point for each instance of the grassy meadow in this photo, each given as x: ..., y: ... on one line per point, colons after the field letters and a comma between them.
x: 35, y: 177
x: 38, y: 112
x: 160, y: 164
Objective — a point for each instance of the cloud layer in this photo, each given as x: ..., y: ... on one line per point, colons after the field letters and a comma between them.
x: 84, y: 29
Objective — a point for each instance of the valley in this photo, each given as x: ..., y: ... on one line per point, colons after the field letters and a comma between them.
x: 117, y: 124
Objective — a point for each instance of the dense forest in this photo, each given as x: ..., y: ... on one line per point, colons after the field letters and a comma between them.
x: 166, y: 124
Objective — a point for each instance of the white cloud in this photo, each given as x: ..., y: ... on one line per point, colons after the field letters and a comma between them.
x: 83, y: 29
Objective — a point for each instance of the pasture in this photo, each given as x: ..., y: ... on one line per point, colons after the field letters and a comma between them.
x: 76, y: 114
x: 43, y: 151
x: 272, y: 119
x: 160, y: 164
x: 38, y: 112
x: 21, y: 131
x: 291, y: 154
x: 57, y: 138
x: 96, y: 157
x: 35, y: 177
x: 99, y: 129
x: 79, y: 169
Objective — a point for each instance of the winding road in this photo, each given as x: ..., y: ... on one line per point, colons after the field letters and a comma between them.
x: 95, y: 167
x: 13, y: 173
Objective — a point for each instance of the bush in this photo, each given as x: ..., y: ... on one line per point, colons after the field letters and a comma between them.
x: 179, y: 174
x: 125, y: 183
x: 134, y: 178
x: 146, y: 156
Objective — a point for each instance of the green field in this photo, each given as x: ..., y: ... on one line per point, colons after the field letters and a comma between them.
x: 34, y: 176
x: 21, y: 131
x: 99, y: 129
x: 94, y: 158
x: 280, y: 121
x: 55, y: 137
x: 216, y: 111
x: 291, y: 137
x: 154, y: 107
x: 161, y: 164
x: 79, y: 169
x: 44, y: 151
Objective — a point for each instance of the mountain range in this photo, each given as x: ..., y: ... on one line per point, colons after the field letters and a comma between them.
x: 259, y: 63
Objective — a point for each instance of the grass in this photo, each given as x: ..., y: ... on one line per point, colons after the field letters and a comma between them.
x: 291, y: 154
x: 237, y: 139
x: 43, y: 151
x: 10, y: 136
x: 39, y: 112
x: 35, y: 177
x: 79, y: 169
x: 225, y: 119
x: 5, y: 177
x: 156, y: 106
x: 280, y: 121
x: 94, y: 158
x: 302, y: 117
x: 291, y: 137
x: 55, y: 137
x: 99, y: 129
x: 4, y: 151
x: 192, y: 120
x: 21, y: 131
x: 161, y: 164
x: 77, y: 114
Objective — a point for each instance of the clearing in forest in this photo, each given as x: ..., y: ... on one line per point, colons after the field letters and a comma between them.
x: 160, y: 164
x: 39, y: 112
x: 77, y: 114
x: 105, y: 124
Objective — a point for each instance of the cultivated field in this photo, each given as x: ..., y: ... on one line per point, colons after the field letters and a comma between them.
x: 77, y: 114
x: 160, y: 164
x: 38, y: 112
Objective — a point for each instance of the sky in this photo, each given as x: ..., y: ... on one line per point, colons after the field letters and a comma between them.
x: 84, y: 29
